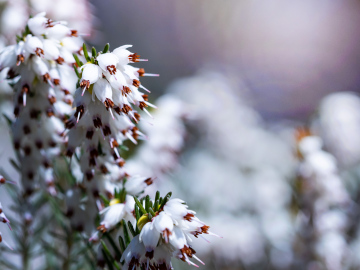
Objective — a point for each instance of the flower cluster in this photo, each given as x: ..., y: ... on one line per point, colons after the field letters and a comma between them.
x: 325, y: 199
x: 104, y: 118
x: 40, y: 68
x: 166, y: 230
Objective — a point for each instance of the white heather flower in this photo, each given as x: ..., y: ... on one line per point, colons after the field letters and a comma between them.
x: 164, y: 225
x: 136, y: 184
x: 43, y: 82
x: 113, y: 214
x: 166, y: 235
x: 150, y: 237
x: 338, y: 123
x: 325, y: 192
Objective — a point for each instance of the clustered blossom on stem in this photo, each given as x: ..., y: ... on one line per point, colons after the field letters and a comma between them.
x: 77, y: 13
x: 40, y: 68
x: 105, y: 116
x: 325, y: 201
x: 166, y: 232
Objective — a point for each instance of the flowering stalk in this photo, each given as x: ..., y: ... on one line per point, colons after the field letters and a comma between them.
x: 164, y: 229
x: 41, y: 73
x: 325, y: 200
x: 109, y: 89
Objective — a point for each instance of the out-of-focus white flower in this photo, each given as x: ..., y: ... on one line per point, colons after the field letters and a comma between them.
x: 324, y: 193
x: 338, y: 124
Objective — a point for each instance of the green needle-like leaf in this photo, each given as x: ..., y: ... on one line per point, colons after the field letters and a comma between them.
x: 131, y: 229
x: 138, y: 203
x: 106, y: 48
x: 166, y: 198
x: 86, y: 54
x: 126, y: 233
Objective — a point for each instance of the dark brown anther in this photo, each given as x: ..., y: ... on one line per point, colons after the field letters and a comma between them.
x: 92, y: 162
x: 11, y: 74
x: 70, y: 212
x: 137, y: 116
x: 50, y: 112
x: 79, y: 228
x: 89, y: 175
x: 134, y: 133
x: 117, y: 110
x: 149, y: 181
x: 149, y: 254
x: 25, y: 89
x: 79, y: 110
x: 69, y: 152
x: 136, y: 83
x: 70, y: 123
x: 2, y: 180
x: 124, y: 131
x: 114, y: 143
x: 95, y: 193
x: 85, y: 83
x: 142, y: 105
x: 46, y: 164
x: 20, y: 59
x: 134, y: 57
x: 111, y: 69
x: 89, y: 134
x: 56, y: 82
x: 74, y: 33
x: 162, y: 266
x: 106, y: 130
x: 51, y: 99
x: 97, y: 122
x: 39, y: 52
x: 30, y: 175
x: 104, y: 169
x: 60, y: 60
x: 108, y: 103
x: 141, y: 72
x: 134, y: 262
x: 120, y: 162
x: 51, y: 143
x: 46, y: 77
x: 39, y: 144
x: 188, y: 216
x: 66, y: 92
x: 204, y: 229
x: 145, y: 97
x: 102, y: 228
x: 126, y: 108
x: 49, y: 23
x: 68, y: 101
x: 94, y: 153
x: 126, y: 90
x: 17, y: 145
x: 16, y: 111
x: 27, y: 150
x: 20, y: 99
x: 34, y: 114
x: 26, y: 129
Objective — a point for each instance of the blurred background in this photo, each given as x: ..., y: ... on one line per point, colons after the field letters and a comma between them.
x: 241, y: 77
